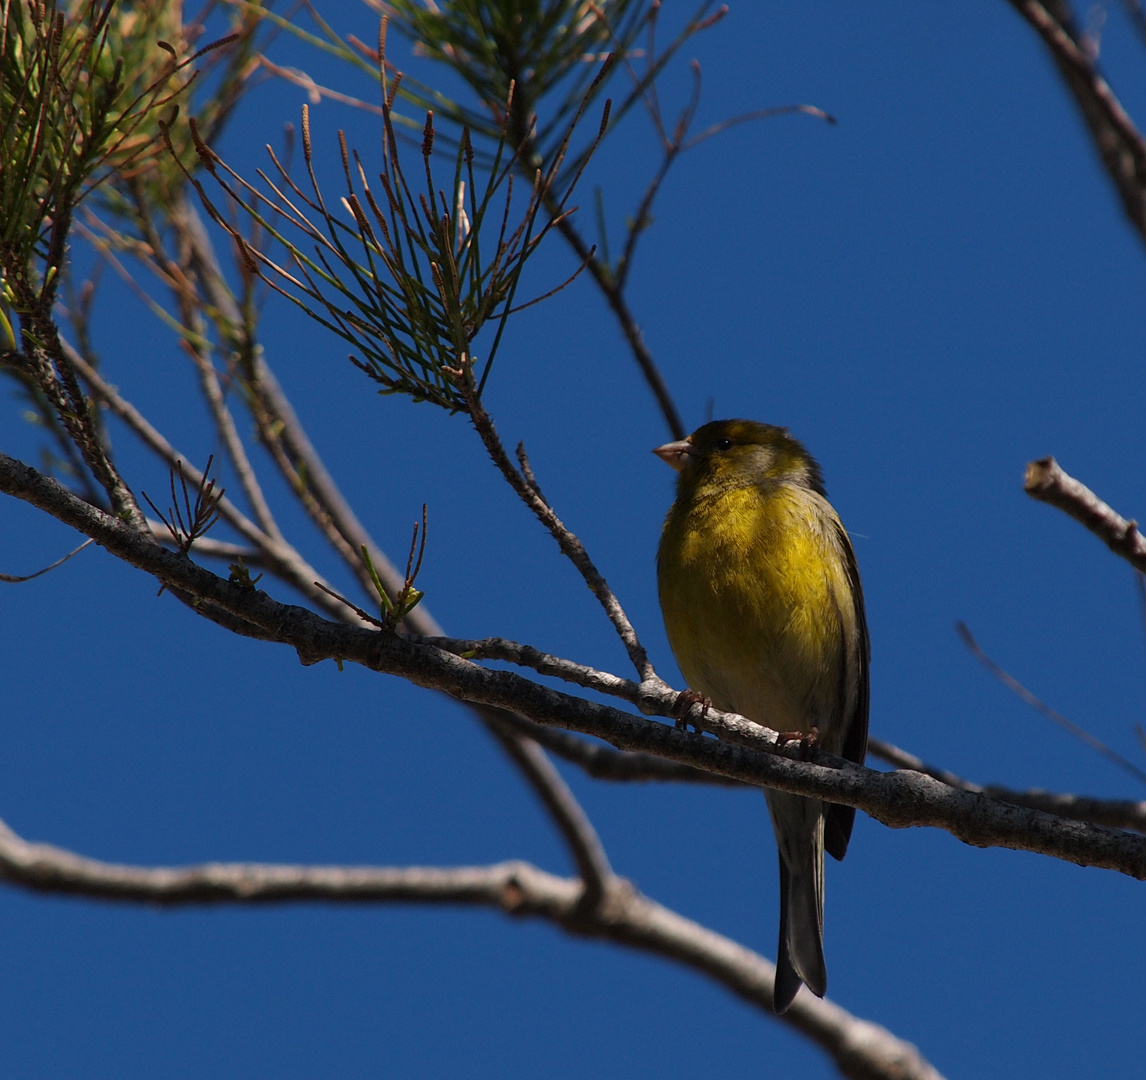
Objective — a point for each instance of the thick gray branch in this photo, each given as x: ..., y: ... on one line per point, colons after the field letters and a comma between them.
x: 1113, y: 813
x: 860, y: 1049
x: 897, y: 799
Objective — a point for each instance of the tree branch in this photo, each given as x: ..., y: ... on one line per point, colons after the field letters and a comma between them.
x: 574, y: 824
x: 628, y: 323
x: 897, y: 799
x: 1118, y: 141
x: 543, y: 663
x: 181, y: 278
x: 571, y: 547
x: 1046, y: 482
x: 605, y: 763
x: 860, y: 1049
x: 280, y: 429
x: 286, y: 440
x: 49, y: 365
x: 278, y: 556
x: 1113, y: 813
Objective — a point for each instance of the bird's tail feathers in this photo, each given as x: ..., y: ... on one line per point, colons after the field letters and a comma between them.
x: 799, y: 827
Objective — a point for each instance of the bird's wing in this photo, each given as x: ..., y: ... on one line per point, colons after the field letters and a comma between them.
x: 838, y: 826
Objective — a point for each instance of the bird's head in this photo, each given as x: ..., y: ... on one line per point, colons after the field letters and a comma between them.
x: 732, y: 453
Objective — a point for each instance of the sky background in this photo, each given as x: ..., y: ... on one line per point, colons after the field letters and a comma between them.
x: 929, y: 294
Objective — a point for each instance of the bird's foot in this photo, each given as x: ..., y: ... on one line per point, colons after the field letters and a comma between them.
x: 807, y: 741
x: 685, y: 700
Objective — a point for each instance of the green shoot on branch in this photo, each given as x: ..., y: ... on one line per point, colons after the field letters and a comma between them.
x: 395, y: 609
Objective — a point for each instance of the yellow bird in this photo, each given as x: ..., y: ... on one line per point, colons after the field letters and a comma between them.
x: 764, y: 611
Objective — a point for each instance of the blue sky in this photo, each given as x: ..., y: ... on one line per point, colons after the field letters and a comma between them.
x: 930, y: 294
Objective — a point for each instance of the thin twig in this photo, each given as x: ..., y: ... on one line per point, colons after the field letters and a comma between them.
x: 13, y: 579
x: 570, y: 545
x: 628, y: 323
x: 50, y: 365
x: 760, y: 114
x: 681, y: 143
x: 212, y: 548
x: 365, y: 616
x: 1017, y: 688
x: 614, y: 295
x: 544, y: 663
x: 641, y: 221
x: 902, y: 759
x: 229, y: 434
x: 527, y: 472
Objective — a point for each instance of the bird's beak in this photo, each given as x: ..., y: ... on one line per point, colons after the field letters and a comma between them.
x: 677, y: 454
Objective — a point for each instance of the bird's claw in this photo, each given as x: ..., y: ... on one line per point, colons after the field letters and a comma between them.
x: 685, y: 700
x: 807, y: 740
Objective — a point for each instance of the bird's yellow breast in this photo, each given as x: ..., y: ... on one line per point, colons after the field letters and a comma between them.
x: 754, y: 589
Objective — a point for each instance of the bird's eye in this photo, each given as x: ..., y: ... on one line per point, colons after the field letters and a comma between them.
x: 723, y: 444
